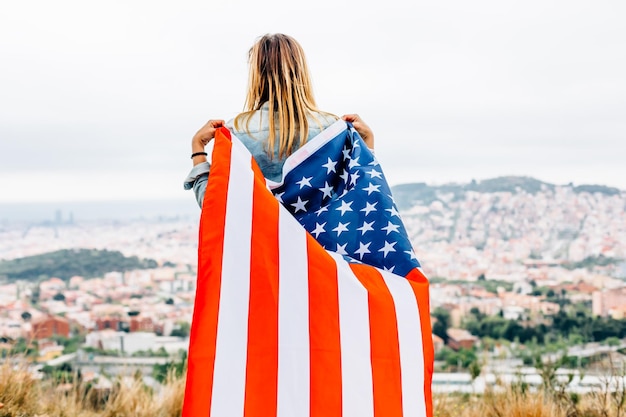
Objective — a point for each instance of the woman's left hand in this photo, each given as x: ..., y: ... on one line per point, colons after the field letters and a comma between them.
x: 205, y: 135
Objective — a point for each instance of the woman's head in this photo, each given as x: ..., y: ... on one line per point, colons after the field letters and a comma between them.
x: 278, y: 72
x: 279, y: 76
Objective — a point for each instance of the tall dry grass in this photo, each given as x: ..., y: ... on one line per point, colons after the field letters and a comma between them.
x: 513, y: 402
x: 23, y: 396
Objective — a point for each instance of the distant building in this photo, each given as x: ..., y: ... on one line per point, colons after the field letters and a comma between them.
x: 605, y: 301
x: 49, y: 350
x: 522, y: 287
x: 109, y: 322
x: 48, y: 326
x: 438, y: 343
x: 513, y: 312
x: 52, y: 285
x: 461, y: 338
x: 130, y: 343
x: 141, y: 324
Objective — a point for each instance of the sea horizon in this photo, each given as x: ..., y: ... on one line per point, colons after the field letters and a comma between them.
x: 68, y: 212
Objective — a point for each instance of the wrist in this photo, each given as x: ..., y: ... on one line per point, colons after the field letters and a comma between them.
x: 196, y: 145
x: 198, y: 159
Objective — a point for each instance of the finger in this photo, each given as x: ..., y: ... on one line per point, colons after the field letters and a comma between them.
x: 350, y: 117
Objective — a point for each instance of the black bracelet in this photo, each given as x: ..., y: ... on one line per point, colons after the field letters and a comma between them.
x: 198, y: 154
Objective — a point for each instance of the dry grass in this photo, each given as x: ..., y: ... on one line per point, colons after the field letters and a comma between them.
x: 22, y: 396
x: 514, y: 403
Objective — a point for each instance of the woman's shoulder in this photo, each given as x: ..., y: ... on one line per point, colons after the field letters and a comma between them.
x: 257, y: 121
x: 246, y: 122
x: 322, y: 118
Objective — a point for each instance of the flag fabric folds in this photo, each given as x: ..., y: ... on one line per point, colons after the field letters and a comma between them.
x: 290, y: 319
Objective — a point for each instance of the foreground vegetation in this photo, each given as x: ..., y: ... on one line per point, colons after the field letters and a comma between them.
x: 21, y: 395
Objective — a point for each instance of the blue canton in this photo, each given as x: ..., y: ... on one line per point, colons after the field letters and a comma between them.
x: 340, y: 195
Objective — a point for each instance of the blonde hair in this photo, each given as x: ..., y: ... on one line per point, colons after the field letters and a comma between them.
x: 279, y: 75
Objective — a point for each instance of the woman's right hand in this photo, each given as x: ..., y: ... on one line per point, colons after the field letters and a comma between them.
x: 205, y: 135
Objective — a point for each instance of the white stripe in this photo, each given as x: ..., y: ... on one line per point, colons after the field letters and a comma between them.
x: 411, y: 347
x: 354, y: 327
x: 229, y: 379
x: 293, y: 319
x: 309, y: 149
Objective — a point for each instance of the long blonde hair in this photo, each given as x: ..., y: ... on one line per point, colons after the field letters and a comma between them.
x: 279, y: 75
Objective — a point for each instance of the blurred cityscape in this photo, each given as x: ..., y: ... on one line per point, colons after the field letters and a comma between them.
x: 521, y: 275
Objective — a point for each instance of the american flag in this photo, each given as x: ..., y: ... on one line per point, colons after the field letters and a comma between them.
x: 341, y: 197
x: 287, y: 324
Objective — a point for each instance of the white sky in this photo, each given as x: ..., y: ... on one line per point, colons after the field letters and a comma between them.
x: 99, y: 100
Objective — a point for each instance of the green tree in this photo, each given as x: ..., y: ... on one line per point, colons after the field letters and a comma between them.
x: 182, y: 330
x: 612, y: 341
x: 160, y: 372
x: 442, y: 323
x: 474, y: 369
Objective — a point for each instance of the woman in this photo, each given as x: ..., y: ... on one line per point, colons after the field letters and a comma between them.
x: 279, y: 84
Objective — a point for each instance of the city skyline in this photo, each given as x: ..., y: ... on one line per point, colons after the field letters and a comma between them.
x: 100, y: 101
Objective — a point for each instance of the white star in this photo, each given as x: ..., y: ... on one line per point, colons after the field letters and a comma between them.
x: 375, y: 174
x: 393, y: 211
x: 321, y: 210
x: 341, y: 227
x: 299, y: 205
x: 389, y: 269
x: 344, y: 176
x: 330, y: 166
x: 366, y: 227
x: 341, y: 249
x: 354, y: 177
x: 304, y: 181
x: 387, y: 248
x: 279, y: 196
x: 369, y: 207
x: 411, y: 254
x: 344, y: 207
x: 327, y: 190
x: 363, y: 249
x: 346, y: 153
x: 391, y: 227
x: 353, y: 163
x: 319, y: 228
x: 371, y: 188
x: 374, y: 163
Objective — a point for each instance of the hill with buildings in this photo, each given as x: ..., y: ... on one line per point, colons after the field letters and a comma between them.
x: 514, y: 220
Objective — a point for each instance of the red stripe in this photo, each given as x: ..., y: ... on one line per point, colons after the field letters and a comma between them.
x: 385, y: 349
x: 262, y: 359
x: 199, y: 384
x: 325, y: 346
x: 419, y: 283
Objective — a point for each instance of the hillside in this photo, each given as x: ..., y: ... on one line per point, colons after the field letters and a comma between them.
x: 406, y: 195
x: 67, y: 263
x: 515, y: 219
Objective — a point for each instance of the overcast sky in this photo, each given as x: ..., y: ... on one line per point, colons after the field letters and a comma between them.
x: 99, y: 100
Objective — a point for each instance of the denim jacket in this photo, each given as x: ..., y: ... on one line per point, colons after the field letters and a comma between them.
x: 255, y: 140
